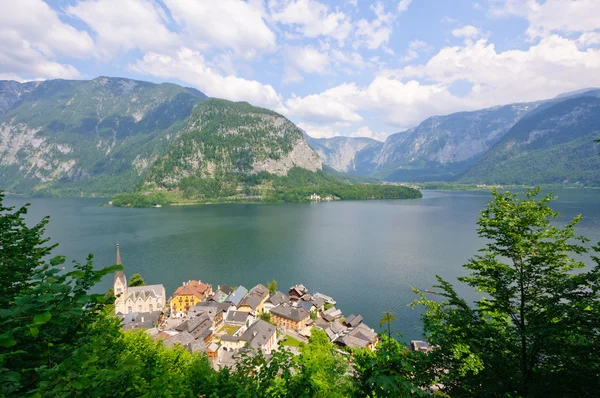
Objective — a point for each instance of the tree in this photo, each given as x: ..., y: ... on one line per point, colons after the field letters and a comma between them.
x: 265, y: 316
x: 536, y: 328
x: 272, y: 286
x: 136, y: 280
x: 22, y: 251
x: 389, y: 370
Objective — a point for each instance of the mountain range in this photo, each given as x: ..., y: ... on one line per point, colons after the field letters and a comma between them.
x: 111, y: 135
x: 461, y: 146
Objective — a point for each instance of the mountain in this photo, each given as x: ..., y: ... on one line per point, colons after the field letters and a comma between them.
x: 223, y: 137
x: 552, y: 145
x: 345, y: 154
x: 11, y: 91
x: 438, y: 149
x: 87, y: 136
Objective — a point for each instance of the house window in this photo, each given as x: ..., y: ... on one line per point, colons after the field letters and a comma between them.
x: 140, y: 308
x: 150, y: 307
x: 129, y: 309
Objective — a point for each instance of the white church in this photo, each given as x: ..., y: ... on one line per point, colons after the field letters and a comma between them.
x: 147, y: 298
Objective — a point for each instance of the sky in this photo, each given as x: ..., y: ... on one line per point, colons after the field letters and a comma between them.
x: 333, y: 67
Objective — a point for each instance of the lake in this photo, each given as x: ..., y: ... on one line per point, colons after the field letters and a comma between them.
x: 365, y: 254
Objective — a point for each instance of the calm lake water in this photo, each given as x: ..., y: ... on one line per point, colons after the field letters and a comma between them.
x: 365, y: 254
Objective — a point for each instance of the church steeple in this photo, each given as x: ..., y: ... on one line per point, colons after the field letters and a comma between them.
x: 120, y: 282
x: 118, y: 255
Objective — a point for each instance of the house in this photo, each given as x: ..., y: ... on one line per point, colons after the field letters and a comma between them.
x: 182, y: 338
x: 259, y: 336
x: 147, y: 298
x: 419, y: 345
x: 215, y: 311
x: 315, y: 197
x: 296, y: 292
x: 276, y: 299
x: 359, y: 337
x: 212, y: 350
x: 237, y: 296
x: 199, y: 327
x: 221, y: 294
x: 318, y: 303
x: 353, y: 320
x: 188, y: 295
x: 289, y: 316
x: 140, y: 320
x: 239, y: 319
x: 332, y: 314
x: 255, y: 299
x: 335, y: 330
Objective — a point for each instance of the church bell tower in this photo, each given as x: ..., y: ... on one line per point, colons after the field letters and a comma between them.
x: 119, y: 286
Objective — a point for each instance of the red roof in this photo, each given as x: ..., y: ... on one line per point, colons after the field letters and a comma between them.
x: 195, y: 288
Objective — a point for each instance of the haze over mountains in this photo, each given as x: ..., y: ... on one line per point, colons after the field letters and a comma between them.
x: 110, y: 135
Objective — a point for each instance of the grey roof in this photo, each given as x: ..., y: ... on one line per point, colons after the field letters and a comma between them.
x: 230, y: 338
x: 305, y: 304
x: 140, y: 320
x: 183, y: 338
x: 317, y: 301
x: 225, y: 289
x: 300, y: 290
x: 145, y: 292
x: 353, y: 320
x: 219, y: 296
x: 293, y: 313
x: 255, y: 296
x: 277, y: 298
x: 237, y: 295
x: 360, y: 336
x: 198, y: 346
x: 237, y: 317
x: 258, y: 333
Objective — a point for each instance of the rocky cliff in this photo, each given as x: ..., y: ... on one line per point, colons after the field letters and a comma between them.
x: 108, y: 135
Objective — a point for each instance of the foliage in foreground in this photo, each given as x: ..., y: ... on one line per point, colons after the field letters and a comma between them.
x: 535, y: 334
x: 536, y: 331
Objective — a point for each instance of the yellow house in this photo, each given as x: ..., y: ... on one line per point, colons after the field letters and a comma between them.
x: 254, y: 300
x: 188, y: 295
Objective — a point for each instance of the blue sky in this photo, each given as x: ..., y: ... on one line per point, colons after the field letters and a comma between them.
x: 337, y: 67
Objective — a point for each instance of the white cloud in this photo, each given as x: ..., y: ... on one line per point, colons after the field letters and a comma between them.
x: 32, y: 37
x: 341, y: 130
x: 123, y: 25
x: 403, y: 5
x: 467, y: 32
x: 375, y: 33
x: 589, y: 39
x: 399, y: 104
x: 234, y: 24
x: 189, y: 66
x: 298, y: 60
x: 566, y: 16
x: 553, y: 66
x: 415, y: 47
x: 311, y: 18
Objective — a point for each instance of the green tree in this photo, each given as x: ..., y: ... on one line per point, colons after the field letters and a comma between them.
x: 535, y: 330
x: 136, y: 280
x: 323, y: 371
x: 272, y: 286
x: 265, y: 316
x: 388, y: 371
x: 22, y: 251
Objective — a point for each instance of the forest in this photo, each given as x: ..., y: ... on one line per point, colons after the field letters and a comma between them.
x: 534, y: 333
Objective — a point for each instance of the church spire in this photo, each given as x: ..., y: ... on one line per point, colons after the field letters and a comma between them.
x: 118, y: 255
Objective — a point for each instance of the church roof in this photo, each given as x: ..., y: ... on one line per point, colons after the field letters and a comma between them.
x: 145, y: 292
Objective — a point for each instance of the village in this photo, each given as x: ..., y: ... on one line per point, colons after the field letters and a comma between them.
x: 228, y: 321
